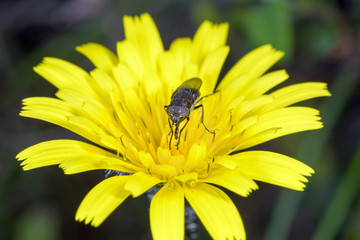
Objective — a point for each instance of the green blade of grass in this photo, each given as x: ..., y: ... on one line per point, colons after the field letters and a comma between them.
x: 341, y: 202
x: 352, y: 230
x: 309, y: 152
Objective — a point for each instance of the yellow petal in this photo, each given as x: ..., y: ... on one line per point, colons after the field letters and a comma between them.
x: 233, y: 180
x: 167, y: 213
x: 61, y: 113
x: 104, y: 84
x: 146, y: 159
x: 63, y: 74
x: 250, y: 107
x: 57, y: 151
x: 90, y: 108
x: 196, y: 155
x: 152, y: 84
x: 169, y: 72
x: 188, y: 177
x: 140, y: 182
x: 190, y: 70
x: 143, y: 34
x: 216, y: 211
x: 264, y: 83
x: 87, y: 162
x: 210, y: 69
x: 253, y: 65
x: 296, y: 93
x: 233, y: 138
x: 180, y: 54
x: 178, y: 161
x: 273, y: 168
x: 278, y: 123
x: 124, y: 77
x: 102, y: 200
x: 164, y: 171
x: 163, y: 155
x: 99, y: 55
x: 227, y: 161
x: 207, y: 38
x: 130, y: 56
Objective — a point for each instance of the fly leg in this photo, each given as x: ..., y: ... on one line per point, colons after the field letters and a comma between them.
x: 202, y: 118
x: 199, y: 100
x: 187, y: 120
x: 172, y: 133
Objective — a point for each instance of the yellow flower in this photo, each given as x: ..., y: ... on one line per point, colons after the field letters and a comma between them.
x: 120, y: 107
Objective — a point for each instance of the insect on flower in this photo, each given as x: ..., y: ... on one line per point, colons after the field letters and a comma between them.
x: 183, y: 101
x: 116, y: 109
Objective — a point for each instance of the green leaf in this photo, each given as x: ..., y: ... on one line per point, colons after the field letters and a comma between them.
x: 270, y: 22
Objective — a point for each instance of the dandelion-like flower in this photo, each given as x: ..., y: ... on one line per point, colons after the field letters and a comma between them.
x: 119, y: 106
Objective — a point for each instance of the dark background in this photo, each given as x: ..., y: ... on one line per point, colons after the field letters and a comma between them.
x: 321, y: 41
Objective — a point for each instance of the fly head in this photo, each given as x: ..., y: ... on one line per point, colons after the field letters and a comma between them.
x: 177, y: 114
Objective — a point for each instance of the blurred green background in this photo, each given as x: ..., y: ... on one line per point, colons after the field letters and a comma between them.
x: 321, y: 41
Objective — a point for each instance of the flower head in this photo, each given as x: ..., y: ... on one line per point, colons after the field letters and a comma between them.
x: 119, y: 106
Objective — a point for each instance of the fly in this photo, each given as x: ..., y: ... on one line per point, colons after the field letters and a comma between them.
x: 183, y: 101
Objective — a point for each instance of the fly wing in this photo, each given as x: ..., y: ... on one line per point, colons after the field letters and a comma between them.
x: 193, y: 83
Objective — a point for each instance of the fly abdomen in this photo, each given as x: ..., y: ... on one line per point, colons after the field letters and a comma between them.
x: 185, y: 97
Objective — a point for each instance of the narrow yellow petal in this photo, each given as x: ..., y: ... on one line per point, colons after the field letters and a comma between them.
x: 167, y: 213
x: 227, y: 161
x: 278, y: 123
x: 216, y: 211
x: 273, y: 168
x: 102, y: 200
x: 140, y: 182
x: 61, y: 113
x: 124, y: 77
x: 129, y: 55
x: 164, y: 171
x: 143, y: 34
x: 264, y: 83
x: 190, y: 70
x: 57, y: 151
x: 233, y: 180
x: 104, y: 83
x: 90, y: 108
x: 207, y: 38
x: 170, y: 72
x: 181, y: 47
x: 146, y: 159
x: 249, y: 107
x: 153, y: 84
x: 253, y: 64
x: 188, y: 177
x: 196, y: 155
x: 180, y: 54
x: 81, y: 163
x: 210, y: 69
x: 296, y: 93
x: 99, y: 55
x: 233, y: 138
x: 233, y: 90
x: 178, y: 161
x: 63, y: 74
x: 163, y: 155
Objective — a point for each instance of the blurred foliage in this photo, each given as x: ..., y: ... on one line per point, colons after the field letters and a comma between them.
x: 321, y: 41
